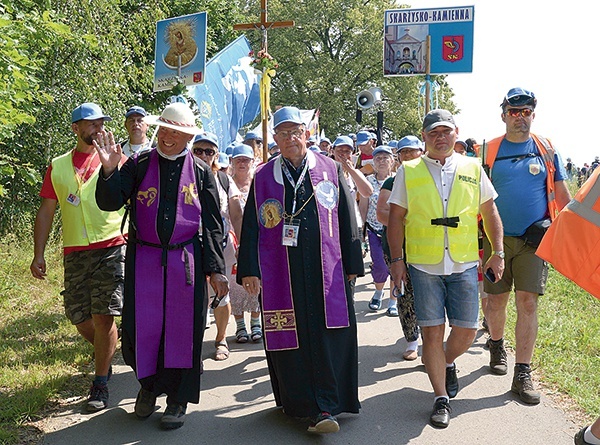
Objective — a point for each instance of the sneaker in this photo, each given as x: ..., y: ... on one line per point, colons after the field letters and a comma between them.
x: 579, y: 440
x: 98, y: 399
x: 440, y: 416
x: 144, y: 404
x: 451, y: 381
x: 498, y: 362
x: 523, y: 386
x: 324, y: 423
x: 173, y: 417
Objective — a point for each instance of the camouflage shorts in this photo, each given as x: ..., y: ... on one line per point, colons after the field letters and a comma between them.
x: 94, y: 283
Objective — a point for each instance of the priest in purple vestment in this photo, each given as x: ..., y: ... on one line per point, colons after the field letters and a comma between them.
x: 299, y: 248
x: 171, y: 195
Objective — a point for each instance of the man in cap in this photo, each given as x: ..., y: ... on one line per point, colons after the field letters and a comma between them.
x: 365, y: 141
x: 528, y: 175
x: 325, y: 145
x: 300, y: 246
x: 273, y: 150
x: 434, y: 204
x: 164, y: 312
x: 93, y: 245
x: 136, y: 129
x: 255, y: 140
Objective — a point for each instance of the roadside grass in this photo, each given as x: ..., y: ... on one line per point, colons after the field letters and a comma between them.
x: 43, y: 359
x: 40, y: 351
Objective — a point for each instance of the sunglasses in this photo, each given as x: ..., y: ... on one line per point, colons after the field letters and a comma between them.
x: 514, y: 112
x: 206, y: 151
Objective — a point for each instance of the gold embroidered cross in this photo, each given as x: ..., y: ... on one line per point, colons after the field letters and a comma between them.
x: 278, y: 320
x: 190, y: 193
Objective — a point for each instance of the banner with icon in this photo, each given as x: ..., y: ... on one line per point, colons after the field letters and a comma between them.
x: 450, y: 31
x: 180, y: 51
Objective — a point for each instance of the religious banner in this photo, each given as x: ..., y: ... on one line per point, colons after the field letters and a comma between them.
x: 180, y: 51
x: 229, y: 98
x: 450, y: 31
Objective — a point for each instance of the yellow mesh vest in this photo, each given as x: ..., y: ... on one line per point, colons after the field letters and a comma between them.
x: 424, y: 241
x: 85, y: 223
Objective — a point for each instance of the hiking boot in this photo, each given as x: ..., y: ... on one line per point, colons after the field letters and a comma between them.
x: 440, y: 416
x: 324, y: 423
x: 98, y: 399
x: 144, y: 404
x: 579, y: 440
x: 173, y: 417
x: 451, y: 381
x: 498, y: 362
x: 523, y: 386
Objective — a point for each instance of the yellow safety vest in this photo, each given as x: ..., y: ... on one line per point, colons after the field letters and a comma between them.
x: 424, y: 238
x: 84, y: 223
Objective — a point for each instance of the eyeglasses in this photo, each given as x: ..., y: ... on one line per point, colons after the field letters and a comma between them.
x: 206, y: 151
x: 293, y: 133
x: 515, y: 112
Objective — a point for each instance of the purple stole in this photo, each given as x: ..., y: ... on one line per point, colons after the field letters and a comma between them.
x: 277, y: 304
x: 158, y: 301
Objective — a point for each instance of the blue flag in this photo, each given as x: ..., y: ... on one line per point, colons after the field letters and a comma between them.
x: 229, y: 97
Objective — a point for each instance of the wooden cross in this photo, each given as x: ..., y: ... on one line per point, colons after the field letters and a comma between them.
x: 264, y: 26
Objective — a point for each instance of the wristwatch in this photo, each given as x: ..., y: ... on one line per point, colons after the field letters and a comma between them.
x: 500, y: 253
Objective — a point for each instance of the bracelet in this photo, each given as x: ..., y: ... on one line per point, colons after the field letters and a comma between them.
x: 395, y: 260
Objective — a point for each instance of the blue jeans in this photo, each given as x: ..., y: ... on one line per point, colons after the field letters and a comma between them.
x: 456, y: 295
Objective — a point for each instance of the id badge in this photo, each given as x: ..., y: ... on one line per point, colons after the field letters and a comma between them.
x: 291, y: 230
x: 73, y: 199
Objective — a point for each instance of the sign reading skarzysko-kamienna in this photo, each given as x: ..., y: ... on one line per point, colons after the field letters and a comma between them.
x: 405, y: 40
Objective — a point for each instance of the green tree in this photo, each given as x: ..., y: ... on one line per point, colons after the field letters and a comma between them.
x: 334, y: 52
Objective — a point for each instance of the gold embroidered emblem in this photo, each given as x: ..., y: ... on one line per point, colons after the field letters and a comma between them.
x: 279, y: 320
x: 270, y: 213
x: 147, y: 197
x: 190, y: 193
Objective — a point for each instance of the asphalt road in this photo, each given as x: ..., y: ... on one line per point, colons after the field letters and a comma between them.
x: 237, y: 405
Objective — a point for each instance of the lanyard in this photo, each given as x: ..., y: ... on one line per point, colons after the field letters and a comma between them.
x: 294, y: 184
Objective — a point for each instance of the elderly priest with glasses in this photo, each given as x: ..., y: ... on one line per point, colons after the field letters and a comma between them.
x: 300, y: 247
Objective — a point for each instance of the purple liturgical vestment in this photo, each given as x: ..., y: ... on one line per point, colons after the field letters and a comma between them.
x: 278, y: 311
x: 154, y: 264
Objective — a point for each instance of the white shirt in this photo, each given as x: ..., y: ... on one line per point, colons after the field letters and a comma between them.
x: 443, y: 177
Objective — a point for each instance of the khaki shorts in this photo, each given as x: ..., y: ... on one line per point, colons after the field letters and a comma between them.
x: 522, y: 268
x: 94, y: 283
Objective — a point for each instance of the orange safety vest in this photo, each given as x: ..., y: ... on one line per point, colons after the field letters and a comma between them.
x: 546, y: 152
x: 572, y: 243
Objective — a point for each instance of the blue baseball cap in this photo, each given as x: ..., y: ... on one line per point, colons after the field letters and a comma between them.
x: 229, y: 149
x: 287, y: 114
x: 135, y: 110
x: 88, y: 111
x: 362, y: 137
x: 343, y: 140
x: 383, y: 149
x: 393, y: 144
x: 209, y: 137
x: 518, y: 97
x: 409, y: 142
x: 244, y: 150
x: 253, y: 135
x: 325, y: 140
x: 223, y: 160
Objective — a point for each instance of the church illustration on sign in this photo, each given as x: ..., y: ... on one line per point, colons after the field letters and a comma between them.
x: 403, y: 53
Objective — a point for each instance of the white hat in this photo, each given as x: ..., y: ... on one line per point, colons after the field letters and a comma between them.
x: 177, y: 116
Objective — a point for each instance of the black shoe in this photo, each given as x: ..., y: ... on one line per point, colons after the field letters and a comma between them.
x: 523, y: 386
x: 579, y: 440
x: 440, y: 416
x: 451, y: 381
x: 173, y: 417
x: 324, y: 423
x: 98, y: 399
x: 144, y: 404
x: 498, y: 361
